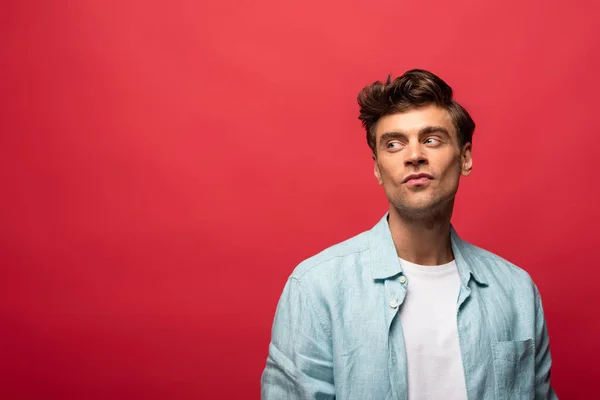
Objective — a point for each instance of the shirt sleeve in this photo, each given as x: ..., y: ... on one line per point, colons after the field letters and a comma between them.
x: 543, y: 359
x: 299, y: 364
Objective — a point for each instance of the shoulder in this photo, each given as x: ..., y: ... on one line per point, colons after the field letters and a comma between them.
x: 328, y: 261
x: 493, y: 268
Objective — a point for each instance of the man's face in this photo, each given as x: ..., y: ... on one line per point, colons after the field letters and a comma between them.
x: 419, y: 159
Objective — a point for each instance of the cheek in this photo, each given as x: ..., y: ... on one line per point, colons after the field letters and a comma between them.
x: 451, y: 175
x: 389, y: 172
x: 394, y: 177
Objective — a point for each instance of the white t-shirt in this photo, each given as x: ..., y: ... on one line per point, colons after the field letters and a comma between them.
x: 428, y: 317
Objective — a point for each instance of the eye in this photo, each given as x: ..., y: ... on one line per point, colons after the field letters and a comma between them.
x: 432, y: 140
x: 393, y: 145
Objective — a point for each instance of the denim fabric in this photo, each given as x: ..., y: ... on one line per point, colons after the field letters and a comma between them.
x: 337, y: 334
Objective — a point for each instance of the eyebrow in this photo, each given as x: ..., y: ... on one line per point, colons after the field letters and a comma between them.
x: 424, y: 131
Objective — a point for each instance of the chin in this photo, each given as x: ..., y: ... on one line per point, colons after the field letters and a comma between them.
x: 413, y: 208
x: 419, y: 208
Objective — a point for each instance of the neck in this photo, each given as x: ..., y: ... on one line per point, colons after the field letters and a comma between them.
x: 424, y: 239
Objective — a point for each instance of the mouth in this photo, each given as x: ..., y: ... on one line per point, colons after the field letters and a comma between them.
x: 417, y: 179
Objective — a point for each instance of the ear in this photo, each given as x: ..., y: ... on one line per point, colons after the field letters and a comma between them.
x: 466, y: 159
x: 376, y: 171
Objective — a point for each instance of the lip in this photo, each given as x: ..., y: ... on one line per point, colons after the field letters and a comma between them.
x: 417, y: 178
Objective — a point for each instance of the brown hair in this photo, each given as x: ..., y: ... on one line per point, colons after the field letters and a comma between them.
x: 414, y: 89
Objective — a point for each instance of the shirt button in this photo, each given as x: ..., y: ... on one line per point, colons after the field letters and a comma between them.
x: 393, y: 304
x: 402, y: 279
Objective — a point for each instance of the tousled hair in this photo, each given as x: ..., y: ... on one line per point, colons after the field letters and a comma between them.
x: 413, y: 89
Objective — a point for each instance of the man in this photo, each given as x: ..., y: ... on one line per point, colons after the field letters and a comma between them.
x: 408, y: 310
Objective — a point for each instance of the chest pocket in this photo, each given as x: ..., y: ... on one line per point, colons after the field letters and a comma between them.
x: 514, y: 369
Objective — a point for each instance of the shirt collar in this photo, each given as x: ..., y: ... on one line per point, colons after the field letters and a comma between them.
x: 385, y: 263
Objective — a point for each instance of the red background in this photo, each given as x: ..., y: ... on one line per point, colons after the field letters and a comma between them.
x: 166, y: 164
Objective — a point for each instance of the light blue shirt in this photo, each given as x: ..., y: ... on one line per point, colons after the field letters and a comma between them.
x: 337, y: 332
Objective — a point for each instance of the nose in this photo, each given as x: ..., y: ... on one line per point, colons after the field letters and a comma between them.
x: 415, y: 155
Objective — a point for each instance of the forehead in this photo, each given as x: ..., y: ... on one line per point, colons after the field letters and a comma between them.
x: 412, y: 121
